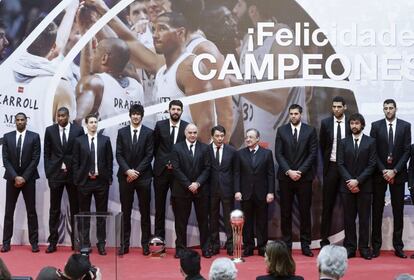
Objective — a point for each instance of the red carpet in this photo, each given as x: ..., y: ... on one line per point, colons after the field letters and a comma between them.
x: 21, y: 261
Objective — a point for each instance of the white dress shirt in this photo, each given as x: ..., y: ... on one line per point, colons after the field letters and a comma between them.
x: 335, y: 125
x: 220, y: 151
x: 177, y: 127
x: 67, y: 130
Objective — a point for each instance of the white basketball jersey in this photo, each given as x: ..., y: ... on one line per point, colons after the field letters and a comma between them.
x: 256, y: 117
x: 194, y: 43
x: 166, y: 89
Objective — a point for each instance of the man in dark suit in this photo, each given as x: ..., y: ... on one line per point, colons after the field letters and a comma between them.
x: 166, y: 134
x: 191, y: 163
x: 92, y: 173
x: 224, y: 176
x: 21, y: 155
x: 356, y: 163
x: 333, y: 129
x: 296, y: 147
x: 257, y: 189
x: 393, y: 140
x: 411, y: 178
x: 134, y: 152
x: 58, y: 147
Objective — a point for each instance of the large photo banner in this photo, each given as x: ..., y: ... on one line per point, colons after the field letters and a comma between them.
x: 237, y: 63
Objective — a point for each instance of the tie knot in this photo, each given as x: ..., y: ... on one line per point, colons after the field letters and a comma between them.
x: 191, y: 146
x: 218, y: 148
x: 135, y: 130
x: 64, y: 128
x: 390, y: 124
x: 339, y: 122
x: 92, y: 138
x: 356, y: 140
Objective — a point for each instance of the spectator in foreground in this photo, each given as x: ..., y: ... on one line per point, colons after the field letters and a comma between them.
x: 279, y: 262
x: 4, y: 271
x: 190, y: 265
x: 222, y: 269
x: 404, y: 276
x: 332, y: 262
x: 48, y: 273
x: 78, y: 266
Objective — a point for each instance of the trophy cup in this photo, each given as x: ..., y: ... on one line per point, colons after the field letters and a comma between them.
x: 157, y: 247
x: 237, y: 222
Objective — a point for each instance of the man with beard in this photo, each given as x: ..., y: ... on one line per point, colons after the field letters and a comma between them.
x: 333, y: 129
x: 166, y: 133
x: 393, y: 140
x: 296, y: 148
x: 356, y: 163
x: 21, y: 155
x: 3, y: 40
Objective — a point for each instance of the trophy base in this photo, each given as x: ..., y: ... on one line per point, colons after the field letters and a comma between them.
x: 238, y: 260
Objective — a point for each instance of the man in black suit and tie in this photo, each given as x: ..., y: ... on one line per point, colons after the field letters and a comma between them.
x: 92, y: 173
x: 191, y: 163
x: 257, y: 189
x: 21, y: 155
x: 393, y: 140
x: 296, y: 147
x: 333, y: 129
x: 134, y: 152
x: 356, y: 163
x: 166, y: 134
x: 58, y: 147
x: 224, y: 176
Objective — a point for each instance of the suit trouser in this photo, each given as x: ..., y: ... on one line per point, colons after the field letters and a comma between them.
x: 29, y: 195
x: 303, y: 192
x: 255, y: 211
x: 56, y: 192
x: 356, y: 204
x: 99, y: 191
x: 228, y: 205
x: 143, y: 190
x: 397, y: 202
x: 331, y: 183
x: 162, y: 184
x: 182, y: 211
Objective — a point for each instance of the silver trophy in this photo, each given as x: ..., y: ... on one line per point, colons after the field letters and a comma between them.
x: 237, y: 222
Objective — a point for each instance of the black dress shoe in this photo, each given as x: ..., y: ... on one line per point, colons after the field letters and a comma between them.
x: 177, y: 254
x: 230, y: 252
x: 5, y: 248
x: 145, y: 250
x: 262, y: 251
x: 123, y: 250
x: 101, y: 249
x: 35, y: 248
x: 412, y: 256
x: 50, y: 249
x: 306, y: 251
x: 350, y: 253
x: 375, y: 253
x: 366, y: 254
x: 206, y: 254
x: 400, y: 253
x: 215, y: 251
x: 247, y: 253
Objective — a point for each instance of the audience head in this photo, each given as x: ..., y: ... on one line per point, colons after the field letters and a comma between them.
x: 332, y: 261
x: 48, y: 273
x: 190, y: 263
x: 4, y: 271
x: 77, y: 266
x: 278, y: 259
x: 404, y: 276
x: 222, y: 269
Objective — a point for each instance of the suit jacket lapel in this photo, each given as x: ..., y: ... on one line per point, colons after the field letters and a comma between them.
x: 57, y: 134
x: 257, y: 158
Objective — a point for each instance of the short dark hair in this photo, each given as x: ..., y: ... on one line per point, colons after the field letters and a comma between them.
x: 357, y: 117
x: 190, y: 262
x: 64, y: 110
x: 296, y: 106
x: 280, y: 261
x: 266, y: 8
x: 339, y: 99
x: 388, y: 101
x: 175, y: 103
x: 91, y: 115
x: 255, y: 130
x: 77, y: 266
x: 136, y: 109
x: 42, y: 45
x: 176, y: 20
x: 218, y: 128
x: 21, y: 114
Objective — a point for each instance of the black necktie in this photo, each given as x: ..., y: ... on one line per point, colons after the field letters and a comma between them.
x: 356, y: 149
x: 172, y: 135
x: 295, y: 136
x: 64, y: 138
x: 390, y: 140
x: 135, y: 138
x: 92, y: 155
x: 253, y: 156
x: 19, y: 150
x: 191, y: 150
x: 338, y: 134
x: 218, y: 155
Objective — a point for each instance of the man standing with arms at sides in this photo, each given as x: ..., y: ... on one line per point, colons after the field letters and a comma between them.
x: 356, y: 164
x: 257, y: 190
x: 393, y: 140
x: 191, y: 163
x: 166, y: 133
x: 333, y: 129
x: 296, y: 147
x: 134, y: 152
x: 21, y: 155
x: 224, y: 180
x: 58, y: 148
x: 92, y: 173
